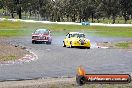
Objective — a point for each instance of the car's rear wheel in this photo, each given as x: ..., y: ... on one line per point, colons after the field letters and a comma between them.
x: 64, y: 44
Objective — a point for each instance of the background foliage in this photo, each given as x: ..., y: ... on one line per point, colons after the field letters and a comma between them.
x: 68, y: 10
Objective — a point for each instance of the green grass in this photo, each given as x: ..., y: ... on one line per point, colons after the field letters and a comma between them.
x: 7, y: 58
x: 124, y: 44
x: 8, y: 29
x: 115, y: 34
x: 10, y: 25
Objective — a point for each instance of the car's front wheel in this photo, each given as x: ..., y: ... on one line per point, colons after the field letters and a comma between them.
x: 64, y: 44
x: 33, y: 42
x: 71, y: 45
x: 48, y: 42
x: 88, y: 47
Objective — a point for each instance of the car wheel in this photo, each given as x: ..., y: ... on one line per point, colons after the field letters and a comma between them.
x: 88, y: 47
x: 71, y: 45
x: 33, y: 42
x: 64, y: 44
x: 48, y: 42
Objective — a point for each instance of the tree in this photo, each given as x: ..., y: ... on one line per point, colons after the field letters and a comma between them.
x: 73, y: 10
x: 110, y: 8
x: 1, y: 4
x: 19, y: 8
x: 10, y: 6
x: 126, y: 8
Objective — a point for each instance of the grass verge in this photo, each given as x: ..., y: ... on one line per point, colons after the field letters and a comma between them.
x: 8, y: 58
x: 8, y: 29
x: 10, y: 53
x: 122, y: 45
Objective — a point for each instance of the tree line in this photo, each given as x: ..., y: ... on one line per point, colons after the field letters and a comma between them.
x: 70, y: 10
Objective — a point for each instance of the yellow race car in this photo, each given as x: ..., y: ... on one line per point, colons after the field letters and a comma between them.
x: 76, y: 39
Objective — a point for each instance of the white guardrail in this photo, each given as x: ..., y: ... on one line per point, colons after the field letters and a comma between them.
x: 68, y: 23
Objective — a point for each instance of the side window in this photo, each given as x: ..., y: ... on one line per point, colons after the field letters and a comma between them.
x: 67, y: 36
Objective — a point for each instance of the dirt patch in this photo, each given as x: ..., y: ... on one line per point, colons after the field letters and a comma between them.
x: 10, y: 52
x: 117, y: 45
x: 40, y: 83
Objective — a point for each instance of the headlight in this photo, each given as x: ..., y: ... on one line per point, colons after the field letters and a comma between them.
x: 87, y: 40
x: 33, y: 37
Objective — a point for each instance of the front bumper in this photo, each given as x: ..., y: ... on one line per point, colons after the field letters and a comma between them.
x: 75, y: 44
x: 40, y: 40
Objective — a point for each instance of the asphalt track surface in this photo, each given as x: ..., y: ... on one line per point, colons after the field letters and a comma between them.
x: 57, y: 61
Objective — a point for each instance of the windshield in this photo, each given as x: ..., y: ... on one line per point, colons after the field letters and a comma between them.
x: 78, y: 35
x: 74, y: 35
x: 41, y: 32
x: 81, y: 36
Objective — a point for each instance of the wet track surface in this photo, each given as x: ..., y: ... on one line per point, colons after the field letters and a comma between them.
x: 56, y: 61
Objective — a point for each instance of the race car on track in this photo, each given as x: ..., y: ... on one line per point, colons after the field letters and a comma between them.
x: 42, y: 35
x: 76, y: 39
